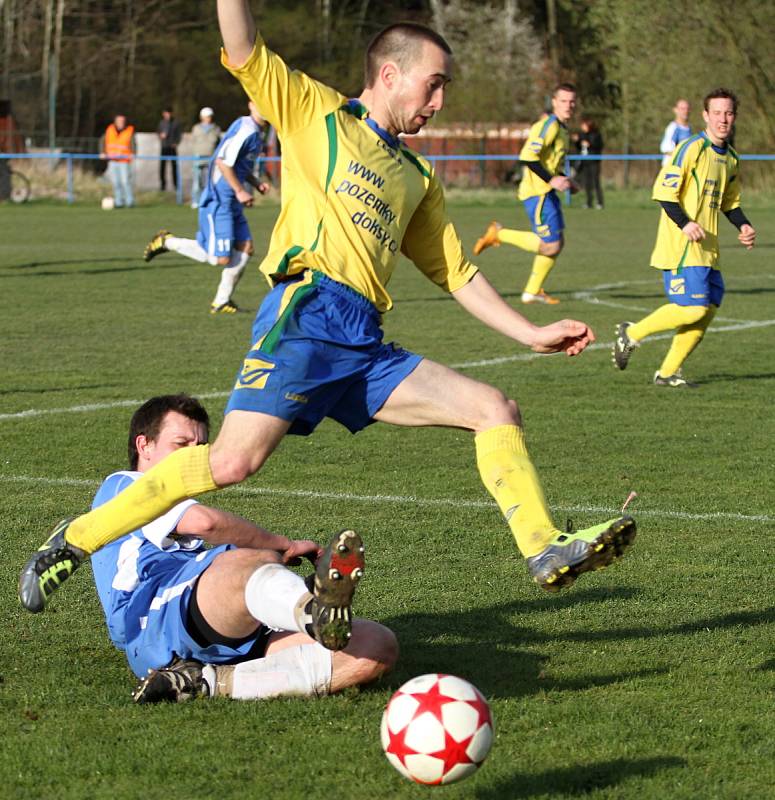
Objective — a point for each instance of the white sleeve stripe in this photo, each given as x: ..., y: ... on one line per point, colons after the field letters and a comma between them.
x: 230, y: 149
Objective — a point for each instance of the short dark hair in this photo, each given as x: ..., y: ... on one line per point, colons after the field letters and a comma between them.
x: 400, y: 43
x: 564, y: 87
x: 148, y: 419
x: 720, y: 92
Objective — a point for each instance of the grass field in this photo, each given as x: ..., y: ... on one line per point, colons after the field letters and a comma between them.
x: 654, y: 679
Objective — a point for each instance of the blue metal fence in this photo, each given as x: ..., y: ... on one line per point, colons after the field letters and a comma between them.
x: 71, y: 158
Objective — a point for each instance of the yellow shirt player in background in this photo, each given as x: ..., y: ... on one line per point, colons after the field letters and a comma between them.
x: 542, y: 158
x: 700, y: 180
x: 354, y: 197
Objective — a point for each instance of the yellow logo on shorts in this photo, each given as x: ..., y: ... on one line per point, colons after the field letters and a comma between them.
x: 677, y: 286
x: 255, y: 374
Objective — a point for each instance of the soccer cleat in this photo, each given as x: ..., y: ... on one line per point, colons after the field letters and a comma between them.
x: 569, y: 555
x: 337, y: 574
x: 182, y: 680
x: 229, y: 307
x: 50, y: 566
x: 156, y: 246
x: 541, y: 297
x: 623, y: 346
x: 676, y: 381
x: 489, y: 239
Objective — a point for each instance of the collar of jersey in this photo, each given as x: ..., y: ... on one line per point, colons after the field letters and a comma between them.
x: 716, y: 149
x: 357, y: 109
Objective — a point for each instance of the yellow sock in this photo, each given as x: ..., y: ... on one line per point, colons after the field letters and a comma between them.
x: 511, y: 479
x: 684, y: 342
x: 525, y: 240
x: 184, y: 473
x: 665, y: 318
x: 542, y: 266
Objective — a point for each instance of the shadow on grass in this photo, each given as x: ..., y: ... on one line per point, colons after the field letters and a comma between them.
x: 578, y: 779
x: 135, y: 262
x: 768, y: 666
x: 50, y: 389
x: 482, y: 644
x: 720, y: 377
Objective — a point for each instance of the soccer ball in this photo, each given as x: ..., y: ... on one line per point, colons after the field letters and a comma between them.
x: 107, y: 203
x: 437, y: 729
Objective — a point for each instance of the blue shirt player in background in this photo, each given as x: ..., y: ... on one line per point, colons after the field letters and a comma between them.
x: 223, y: 237
x: 676, y: 131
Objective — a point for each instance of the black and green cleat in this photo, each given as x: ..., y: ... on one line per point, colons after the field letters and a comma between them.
x: 569, y: 555
x: 337, y: 574
x: 50, y: 566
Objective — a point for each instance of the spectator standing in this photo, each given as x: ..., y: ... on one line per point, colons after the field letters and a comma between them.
x: 205, y: 136
x: 676, y: 131
x: 168, y: 132
x: 118, y: 146
x: 590, y: 143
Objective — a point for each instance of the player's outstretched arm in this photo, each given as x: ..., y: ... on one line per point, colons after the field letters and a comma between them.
x: 220, y: 527
x: 482, y: 301
x: 238, y: 30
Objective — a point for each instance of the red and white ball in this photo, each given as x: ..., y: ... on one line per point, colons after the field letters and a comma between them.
x: 437, y: 729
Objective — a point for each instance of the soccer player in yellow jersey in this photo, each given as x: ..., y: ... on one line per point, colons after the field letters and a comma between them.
x: 354, y: 197
x: 700, y: 180
x: 543, y: 160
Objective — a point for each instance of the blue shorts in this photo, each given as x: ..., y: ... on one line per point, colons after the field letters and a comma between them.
x: 545, y: 214
x: 157, y: 613
x: 221, y: 224
x: 318, y: 352
x: 693, y: 286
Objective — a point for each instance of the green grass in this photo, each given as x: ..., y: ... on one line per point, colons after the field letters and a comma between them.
x: 650, y: 680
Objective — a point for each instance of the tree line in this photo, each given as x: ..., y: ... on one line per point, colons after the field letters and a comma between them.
x: 69, y: 65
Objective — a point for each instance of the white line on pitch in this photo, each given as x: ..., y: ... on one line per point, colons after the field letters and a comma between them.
x: 311, y: 494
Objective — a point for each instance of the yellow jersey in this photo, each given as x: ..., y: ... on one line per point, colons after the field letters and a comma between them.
x: 547, y: 142
x: 353, y: 197
x: 703, y: 178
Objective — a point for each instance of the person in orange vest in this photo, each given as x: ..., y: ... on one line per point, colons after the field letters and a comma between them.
x: 118, y: 147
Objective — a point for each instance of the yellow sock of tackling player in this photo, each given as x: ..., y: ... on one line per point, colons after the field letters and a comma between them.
x: 184, y: 473
x: 542, y: 266
x: 511, y: 479
x: 668, y: 317
x: 684, y: 342
x: 525, y: 240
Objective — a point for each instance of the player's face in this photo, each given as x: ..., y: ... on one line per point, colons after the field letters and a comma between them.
x: 176, y: 431
x: 719, y: 119
x: 682, y: 111
x: 419, y: 91
x: 564, y: 105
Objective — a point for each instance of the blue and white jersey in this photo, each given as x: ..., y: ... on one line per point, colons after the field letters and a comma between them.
x: 673, y: 136
x: 127, y: 570
x: 238, y: 149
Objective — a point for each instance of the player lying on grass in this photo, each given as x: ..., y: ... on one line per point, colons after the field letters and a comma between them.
x: 700, y: 180
x: 354, y: 197
x: 231, y: 620
x: 223, y: 237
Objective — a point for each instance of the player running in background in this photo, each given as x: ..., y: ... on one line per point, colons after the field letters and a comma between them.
x: 701, y: 179
x: 223, y: 237
x: 231, y: 620
x: 676, y: 131
x: 354, y: 197
x: 543, y: 160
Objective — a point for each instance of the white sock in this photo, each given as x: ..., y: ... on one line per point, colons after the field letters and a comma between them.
x: 301, y: 670
x: 274, y: 596
x: 230, y: 276
x: 186, y: 247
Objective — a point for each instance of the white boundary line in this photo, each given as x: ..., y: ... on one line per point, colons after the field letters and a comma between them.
x: 584, y: 296
x: 311, y: 494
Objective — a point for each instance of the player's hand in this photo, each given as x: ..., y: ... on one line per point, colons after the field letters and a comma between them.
x: 747, y: 236
x: 574, y: 187
x: 263, y: 187
x: 561, y: 183
x: 566, y: 336
x: 299, y: 548
x: 693, y: 232
x: 246, y: 198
